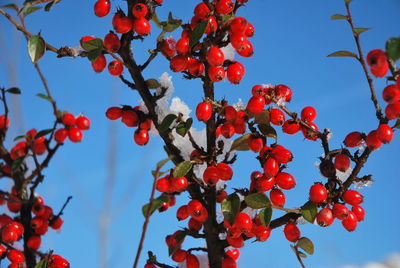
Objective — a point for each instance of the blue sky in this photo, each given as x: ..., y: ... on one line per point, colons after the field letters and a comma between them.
x: 291, y: 43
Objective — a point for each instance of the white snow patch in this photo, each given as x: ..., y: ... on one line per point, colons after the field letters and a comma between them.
x: 229, y: 52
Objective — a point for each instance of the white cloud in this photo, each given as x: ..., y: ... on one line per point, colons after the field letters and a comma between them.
x: 393, y: 261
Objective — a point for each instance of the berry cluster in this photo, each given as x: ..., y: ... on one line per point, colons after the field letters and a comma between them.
x: 72, y: 129
x: 132, y: 117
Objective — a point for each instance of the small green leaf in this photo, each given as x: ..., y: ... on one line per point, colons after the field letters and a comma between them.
x: 262, y: 118
x: 41, y: 264
x: 93, y: 44
x: 36, y: 48
x: 265, y: 216
x: 182, y: 169
x: 268, y: 131
x: 167, y: 121
x: 49, y: 6
x: 179, y: 239
x: 397, y: 124
x: 17, y: 163
x: 339, y: 17
x: 14, y: 90
x: 11, y: 6
x: 94, y: 54
x: 393, y: 48
x: 43, y: 133
x: 163, y: 162
x: 309, y: 211
x: 348, y: 1
x: 257, y: 200
x: 160, y: 173
x: 198, y: 32
x: 19, y: 137
x: 360, y: 30
x: 227, y: 17
x: 152, y: 83
x: 43, y: 96
x: 241, y: 143
x: 301, y: 254
x: 306, y: 244
x: 156, y: 20
x: 30, y: 10
x: 230, y: 207
x: 180, y: 129
x: 343, y: 53
x: 157, y: 203
x: 172, y: 26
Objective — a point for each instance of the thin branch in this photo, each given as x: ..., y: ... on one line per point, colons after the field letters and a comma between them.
x: 46, y: 87
x: 128, y: 83
x: 153, y: 55
x: 299, y: 258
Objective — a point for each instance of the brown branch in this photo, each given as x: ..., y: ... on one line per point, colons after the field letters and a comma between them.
x: 46, y: 87
x: 299, y: 258
x: 361, y: 59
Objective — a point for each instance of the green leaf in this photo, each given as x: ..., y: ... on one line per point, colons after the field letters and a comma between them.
x: 179, y: 239
x: 49, y: 6
x: 156, y: 20
x: 167, y: 121
x: 265, y: 216
x: 257, y: 200
x: 30, y: 10
x: 43, y: 133
x: 41, y: 264
x: 17, y: 163
x: 343, y: 53
x: 94, y: 44
x: 36, y: 48
x: 360, y: 30
x: 14, y: 90
x: 268, y: 131
x: 94, y: 54
x: 152, y: 83
x: 397, y: 124
x: 172, y: 24
x: 309, y: 211
x: 393, y: 48
x: 301, y: 254
x: 43, y: 96
x: 227, y: 17
x: 160, y: 174
x: 230, y: 207
x: 157, y: 203
x: 19, y: 137
x: 198, y: 32
x: 241, y: 143
x: 182, y: 169
x: 339, y: 17
x: 11, y: 6
x: 183, y: 127
x: 262, y: 118
x: 306, y: 244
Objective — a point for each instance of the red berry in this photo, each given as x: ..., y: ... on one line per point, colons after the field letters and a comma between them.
x: 249, y: 30
x: 385, y: 133
x: 112, y: 42
x: 58, y: 262
x: 221, y: 196
x: 141, y: 26
x: 224, y: 6
x: 309, y: 134
x: 353, y: 139
x: 392, y: 111
x: 9, y: 234
x: 265, y: 184
x: 216, y: 74
x: 308, y: 114
x: 342, y: 162
x: 233, y: 253
x: 201, y: 10
x: 15, y: 256
x: 99, y: 63
x: 377, y: 60
x: 182, y: 46
x: 115, y: 68
x: 238, y: 25
x: 271, y: 167
x: 359, y: 212
x: 179, y: 255
x: 168, y: 47
x: 102, y: 8
x: 373, y: 141
x: 75, y: 134
x: 235, y: 72
x: 255, y: 143
x: 292, y: 232
x: 194, y: 207
x: 256, y: 104
x: 192, y: 261
x: 82, y: 122
x: 121, y: 23
x: 211, y: 175
x: 391, y: 94
x: 61, y: 135
x: 179, y: 63
x: 4, y: 123
x: 318, y: 193
x: 325, y: 217
x: 162, y: 185
x: 236, y: 242
x: 225, y: 172
x: 230, y: 113
x: 114, y: 113
x: 204, y: 111
x: 212, y: 26
x: 281, y: 154
x: 246, y: 50
x: 141, y: 137
x: 149, y: 265
x: 34, y: 242
x: 243, y: 222
x: 130, y: 118
x: 352, y: 197
x: 285, y: 181
x: 238, y: 41
x: 276, y: 117
x: 194, y: 225
x: 350, y: 223
x: 277, y: 197
x: 68, y: 119
x: 196, y: 67
x: 290, y: 127
x: 228, y: 262
x: 227, y: 130
x: 182, y: 213
x: 340, y: 211
x: 139, y: 10
x: 215, y: 56
x: 283, y: 92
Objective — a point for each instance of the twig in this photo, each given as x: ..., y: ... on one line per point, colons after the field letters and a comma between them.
x: 152, y: 56
x: 128, y: 83
x: 46, y: 87
x: 64, y: 206
x: 299, y: 258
